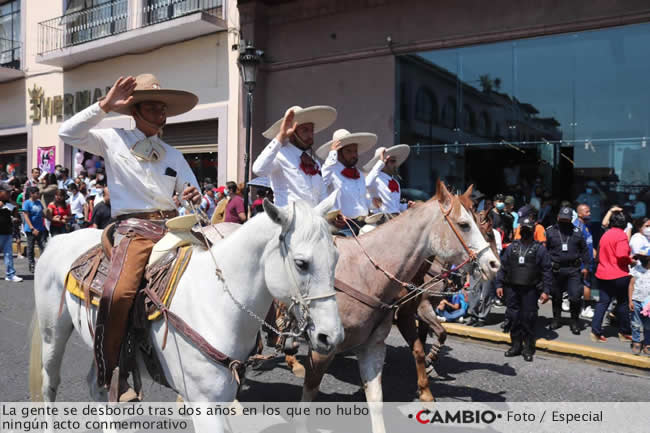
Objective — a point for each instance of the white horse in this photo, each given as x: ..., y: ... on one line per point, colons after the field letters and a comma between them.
x: 256, y: 266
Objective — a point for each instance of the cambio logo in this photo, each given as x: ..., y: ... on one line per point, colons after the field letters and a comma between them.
x: 427, y: 416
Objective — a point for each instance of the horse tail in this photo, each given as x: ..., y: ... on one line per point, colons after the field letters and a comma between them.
x: 35, y: 361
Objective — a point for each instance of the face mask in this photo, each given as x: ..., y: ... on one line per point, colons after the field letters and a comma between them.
x: 100, y: 177
x: 500, y: 206
x: 646, y: 232
x: 526, y: 233
x: 586, y: 219
x: 589, y: 190
x: 566, y: 226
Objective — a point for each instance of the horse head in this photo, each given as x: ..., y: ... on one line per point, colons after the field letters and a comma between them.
x: 299, y: 270
x: 463, y: 239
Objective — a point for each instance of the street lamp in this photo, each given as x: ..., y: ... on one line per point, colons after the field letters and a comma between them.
x: 249, y: 59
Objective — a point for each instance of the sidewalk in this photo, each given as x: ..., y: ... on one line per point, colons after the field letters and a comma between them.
x: 560, y: 340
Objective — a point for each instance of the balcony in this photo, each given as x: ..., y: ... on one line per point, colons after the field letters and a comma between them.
x: 10, y: 60
x: 120, y: 27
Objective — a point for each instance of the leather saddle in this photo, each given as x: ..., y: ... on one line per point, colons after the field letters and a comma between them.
x: 169, y: 258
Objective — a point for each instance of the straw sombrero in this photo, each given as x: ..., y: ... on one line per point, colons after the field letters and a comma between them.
x: 147, y: 88
x: 365, y: 141
x: 400, y: 152
x: 322, y: 116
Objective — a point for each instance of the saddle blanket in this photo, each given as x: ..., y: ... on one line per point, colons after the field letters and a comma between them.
x: 88, y: 273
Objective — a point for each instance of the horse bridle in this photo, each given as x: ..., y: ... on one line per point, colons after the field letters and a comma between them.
x: 298, y: 300
x: 472, y: 256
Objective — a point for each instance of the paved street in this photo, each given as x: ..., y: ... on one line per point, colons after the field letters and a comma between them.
x: 468, y: 371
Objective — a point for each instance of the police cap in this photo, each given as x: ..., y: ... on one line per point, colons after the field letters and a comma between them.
x: 527, y: 222
x: 565, y: 214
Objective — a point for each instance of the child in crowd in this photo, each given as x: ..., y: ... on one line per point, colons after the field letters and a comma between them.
x: 454, y: 308
x: 639, y: 292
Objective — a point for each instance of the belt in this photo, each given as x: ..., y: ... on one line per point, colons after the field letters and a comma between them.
x: 151, y: 215
x: 568, y: 264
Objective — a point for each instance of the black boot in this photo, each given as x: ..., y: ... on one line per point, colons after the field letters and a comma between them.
x: 557, y: 314
x: 515, y: 350
x: 575, y: 317
x: 529, y: 348
x: 506, y: 325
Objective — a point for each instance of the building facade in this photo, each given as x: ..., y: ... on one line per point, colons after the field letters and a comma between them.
x: 513, y: 97
x: 64, y: 57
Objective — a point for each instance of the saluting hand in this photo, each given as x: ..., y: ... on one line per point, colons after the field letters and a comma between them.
x: 335, y: 145
x: 119, y: 96
x: 287, y: 128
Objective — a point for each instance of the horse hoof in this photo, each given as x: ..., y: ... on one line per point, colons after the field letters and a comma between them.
x: 298, y: 370
x: 426, y: 396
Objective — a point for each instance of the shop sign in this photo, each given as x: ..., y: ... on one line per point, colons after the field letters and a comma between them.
x: 46, y: 159
x: 56, y: 108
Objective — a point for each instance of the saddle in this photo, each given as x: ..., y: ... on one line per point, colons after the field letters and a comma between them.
x: 89, y: 274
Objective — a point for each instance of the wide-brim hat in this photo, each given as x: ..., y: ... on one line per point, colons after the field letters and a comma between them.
x: 148, y: 89
x: 364, y: 140
x: 322, y: 116
x: 400, y: 152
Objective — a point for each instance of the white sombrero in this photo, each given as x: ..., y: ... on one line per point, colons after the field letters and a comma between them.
x: 322, y: 116
x: 365, y: 141
x: 148, y: 89
x: 400, y: 152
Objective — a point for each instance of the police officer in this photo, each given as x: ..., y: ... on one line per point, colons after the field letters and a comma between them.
x: 569, y: 251
x: 524, y: 264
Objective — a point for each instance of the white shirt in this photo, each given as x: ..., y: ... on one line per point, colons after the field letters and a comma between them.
x: 281, y: 163
x: 351, y: 198
x: 77, y: 203
x: 638, y: 241
x: 208, y: 205
x: 377, y: 184
x: 136, y: 185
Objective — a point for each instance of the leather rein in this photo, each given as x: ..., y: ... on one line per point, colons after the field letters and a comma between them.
x: 413, y: 290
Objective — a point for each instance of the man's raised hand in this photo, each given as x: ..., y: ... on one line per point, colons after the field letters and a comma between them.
x: 288, y: 127
x: 120, y: 95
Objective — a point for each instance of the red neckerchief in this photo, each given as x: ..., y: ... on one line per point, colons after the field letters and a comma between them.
x: 308, y: 165
x: 351, y: 173
x: 393, y: 185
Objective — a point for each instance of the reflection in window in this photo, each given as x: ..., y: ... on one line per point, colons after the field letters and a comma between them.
x: 449, y: 114
x: 426, y: 107
x: 469, y: 119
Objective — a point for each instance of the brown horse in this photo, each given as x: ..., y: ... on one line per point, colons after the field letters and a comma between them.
x: 442, y: 227
x: 415, y: 332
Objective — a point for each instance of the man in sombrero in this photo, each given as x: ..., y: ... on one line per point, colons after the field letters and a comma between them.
x: 288, y: 159
x: 383, y: 186
x: 143, y: 173
x: 341, y: 175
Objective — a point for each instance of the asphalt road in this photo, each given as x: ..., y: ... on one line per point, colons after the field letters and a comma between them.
x: 467, y: 370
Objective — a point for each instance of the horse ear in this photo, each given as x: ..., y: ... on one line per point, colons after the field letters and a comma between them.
x: 277, y: 214
x: 443, y: 194
x: 468, y: 193
x: 326, y: 205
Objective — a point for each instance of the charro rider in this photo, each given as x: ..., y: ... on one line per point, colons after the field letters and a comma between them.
x: 381, y: 180
x: 143, y: 174
x: 340, y: 174
x: 288, y: 159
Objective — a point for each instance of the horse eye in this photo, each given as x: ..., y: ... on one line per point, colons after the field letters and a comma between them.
x: 301, y: 264
x: 464, y: 225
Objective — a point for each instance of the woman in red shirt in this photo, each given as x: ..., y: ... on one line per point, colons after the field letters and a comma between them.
x: 59, y: 213
x: 613, y: 276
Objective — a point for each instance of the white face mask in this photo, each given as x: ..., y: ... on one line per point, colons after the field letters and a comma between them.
x: 646, y: 232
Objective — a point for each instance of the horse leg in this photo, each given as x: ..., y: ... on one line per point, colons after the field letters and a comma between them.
x: 426, y: 314
x: 371, y: 363
x: 317, y: 365
x: 55, y: 333
x: 408, y: 328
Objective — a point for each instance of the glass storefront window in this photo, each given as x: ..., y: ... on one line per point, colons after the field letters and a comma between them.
x: 561, y: 110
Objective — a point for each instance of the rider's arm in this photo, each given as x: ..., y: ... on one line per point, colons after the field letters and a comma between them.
x: 374, y: 172
x: 76, y: 131
x: 328, y: 166
x: 265, y: 162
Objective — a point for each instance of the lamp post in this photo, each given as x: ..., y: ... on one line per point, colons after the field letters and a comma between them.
x: 249, y: 59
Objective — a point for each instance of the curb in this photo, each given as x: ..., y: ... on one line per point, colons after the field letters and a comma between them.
x: 582, y: 350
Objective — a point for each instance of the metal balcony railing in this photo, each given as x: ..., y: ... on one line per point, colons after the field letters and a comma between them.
x: 9, y: 53
x: 115, y: 17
